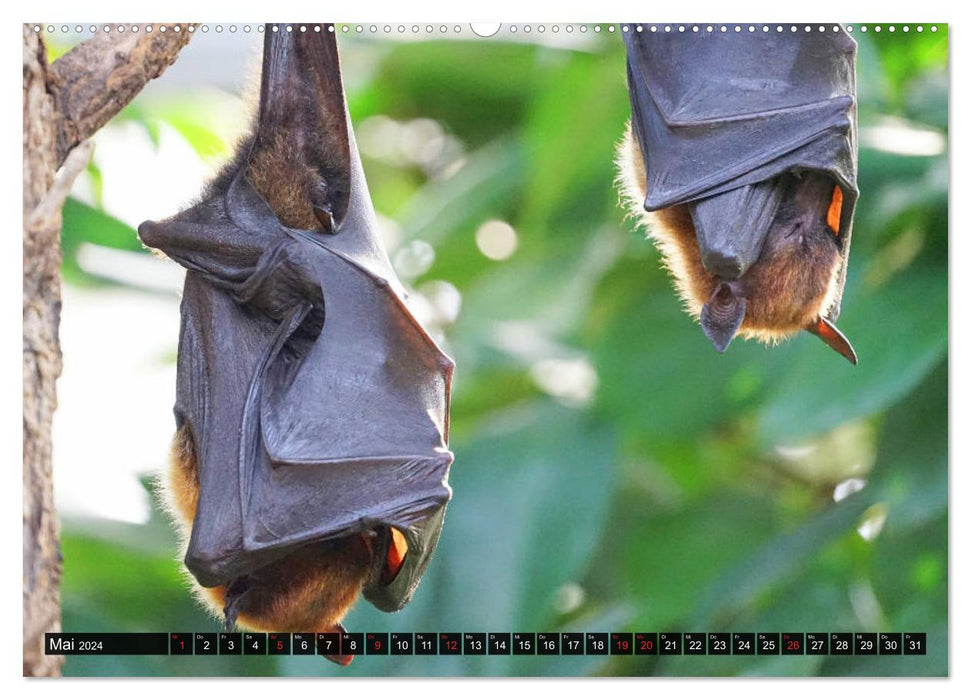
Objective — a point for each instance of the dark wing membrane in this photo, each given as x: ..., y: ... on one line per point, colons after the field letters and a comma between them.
x: 422, y: 538
x: 714, y: 112
x: 299, y: 441
x: 358, y: 431
x: 717, y: 112
x: 220, y: 348
x: 374, y: 382
x: 244, y: 295
x: 325, y: 403
x: 302, y: 94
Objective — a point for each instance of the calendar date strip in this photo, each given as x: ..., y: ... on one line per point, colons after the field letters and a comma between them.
x: 488, y: 643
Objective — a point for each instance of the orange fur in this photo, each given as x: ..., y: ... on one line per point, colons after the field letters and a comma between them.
x: 182, y: 489
x: 786, y: 289
x: 311, y: 589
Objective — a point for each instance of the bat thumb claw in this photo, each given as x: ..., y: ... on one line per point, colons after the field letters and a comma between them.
x: 326, y: 218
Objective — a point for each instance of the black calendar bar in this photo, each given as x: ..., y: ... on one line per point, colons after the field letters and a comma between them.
x: 106, y: 643
x: 883, y: 644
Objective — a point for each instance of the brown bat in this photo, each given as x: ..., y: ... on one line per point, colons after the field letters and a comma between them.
x: 747, y: 183
x: 310, y: 463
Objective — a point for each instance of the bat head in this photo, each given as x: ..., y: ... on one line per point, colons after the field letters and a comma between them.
x: 299, y: 157
x: 762, y: 261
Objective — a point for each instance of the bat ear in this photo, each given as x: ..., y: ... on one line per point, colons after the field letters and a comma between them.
x: 831, y: 335
x: 302, y: 96
x: 722, y: 316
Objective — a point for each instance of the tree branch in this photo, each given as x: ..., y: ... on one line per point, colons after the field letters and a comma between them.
x: 49, y: 208
x: 64, y: 104
x: 96, y: 79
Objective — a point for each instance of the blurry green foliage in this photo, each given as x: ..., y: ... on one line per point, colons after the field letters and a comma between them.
x: 675, y: 499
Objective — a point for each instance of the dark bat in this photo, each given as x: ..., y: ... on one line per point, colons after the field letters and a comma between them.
x: 741, y: 158
x: 310, y: 462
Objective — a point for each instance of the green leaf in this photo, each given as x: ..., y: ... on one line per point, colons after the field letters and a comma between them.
x: 85, y: 224
x: 900, y: 333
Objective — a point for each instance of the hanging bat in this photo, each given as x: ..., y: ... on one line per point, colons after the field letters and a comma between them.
x: 741, y: 159
x: 310, y: 460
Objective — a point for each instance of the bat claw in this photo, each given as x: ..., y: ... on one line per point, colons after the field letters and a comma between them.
x: 326, y: 218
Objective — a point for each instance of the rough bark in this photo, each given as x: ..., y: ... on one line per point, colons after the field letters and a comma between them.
x: 64, y: 104
x: 96, y: 79
x: 42, y: 365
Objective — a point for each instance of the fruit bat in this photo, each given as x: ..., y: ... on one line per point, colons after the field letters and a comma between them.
x: 310, y: 460
x: 741, y: 159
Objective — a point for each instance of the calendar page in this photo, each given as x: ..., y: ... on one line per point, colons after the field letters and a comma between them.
x: 516, y: 349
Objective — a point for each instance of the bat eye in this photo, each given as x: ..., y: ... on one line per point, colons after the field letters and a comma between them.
x: 395, y: 557
x: 796, y: 230
x: 835, y: 211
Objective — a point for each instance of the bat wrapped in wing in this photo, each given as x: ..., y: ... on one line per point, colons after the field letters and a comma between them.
x: 741, y: 157
x: 311, y: 458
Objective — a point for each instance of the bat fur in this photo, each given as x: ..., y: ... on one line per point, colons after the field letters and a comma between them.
x: 791, y: 285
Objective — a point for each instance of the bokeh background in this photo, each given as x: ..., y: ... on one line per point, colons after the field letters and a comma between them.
x: 612, y: 472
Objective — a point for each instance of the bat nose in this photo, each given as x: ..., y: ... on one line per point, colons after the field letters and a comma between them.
x: 731, y: 227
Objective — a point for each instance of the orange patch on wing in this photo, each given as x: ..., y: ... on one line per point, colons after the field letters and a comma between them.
x: 835, y: 211
x: 397, y: 551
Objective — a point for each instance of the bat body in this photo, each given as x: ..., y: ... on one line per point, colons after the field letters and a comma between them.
x: 741, y: 161
x: 310, y: 463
